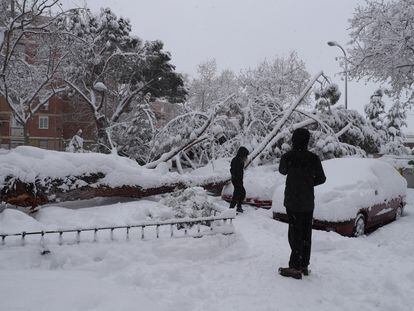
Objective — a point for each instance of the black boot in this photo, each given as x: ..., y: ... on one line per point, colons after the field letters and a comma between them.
x: 239, y: 209
x: 291, y: 272
x: 305, y: 271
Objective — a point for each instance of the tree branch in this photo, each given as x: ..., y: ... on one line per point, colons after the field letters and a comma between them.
x: 262, y: 146
x: 189, y: 143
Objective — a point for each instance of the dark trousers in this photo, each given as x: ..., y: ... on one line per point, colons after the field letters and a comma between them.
x: 239, y: 194
x: 300, y: 239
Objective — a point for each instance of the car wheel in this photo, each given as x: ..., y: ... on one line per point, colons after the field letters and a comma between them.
x: 399, y: 212
x: 359, y: 225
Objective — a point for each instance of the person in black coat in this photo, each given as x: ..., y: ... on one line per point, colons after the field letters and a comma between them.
x: 304, y: 171
x: 237, y: 171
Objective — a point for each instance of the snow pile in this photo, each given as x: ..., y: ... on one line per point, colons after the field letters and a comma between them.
x: 29, y: 163
x: 352, y: 184
x: 191, y: 202
x: 55, y: 217
x: 12, y: 221
x: 259, y: 182
x: 119, y: 214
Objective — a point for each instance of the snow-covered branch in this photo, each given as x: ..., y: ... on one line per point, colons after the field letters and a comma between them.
x: 266, y: 141
x: 190, y: 142
x: 343, y: 130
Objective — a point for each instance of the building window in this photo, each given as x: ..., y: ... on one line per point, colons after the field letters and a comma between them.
x: 43, y: 122
x: 43, y: 143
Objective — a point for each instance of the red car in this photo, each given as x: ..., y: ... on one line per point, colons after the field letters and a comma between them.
x: 366, y: 220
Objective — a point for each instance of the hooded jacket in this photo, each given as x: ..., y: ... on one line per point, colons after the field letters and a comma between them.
x: 304, y: 171
x: 237, y: 165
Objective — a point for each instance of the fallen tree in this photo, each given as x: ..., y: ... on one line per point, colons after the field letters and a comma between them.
x: 32, y: 196
x: 30, y: 177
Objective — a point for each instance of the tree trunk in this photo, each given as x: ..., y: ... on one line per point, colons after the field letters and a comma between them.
x: 26, y: 139
x: 51, y: 190
x: 102, y: 135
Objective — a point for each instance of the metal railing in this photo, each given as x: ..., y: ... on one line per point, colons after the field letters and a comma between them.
x: 186, y: 223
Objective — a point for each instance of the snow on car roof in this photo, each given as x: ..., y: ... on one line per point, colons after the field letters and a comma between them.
x: 352, y: 184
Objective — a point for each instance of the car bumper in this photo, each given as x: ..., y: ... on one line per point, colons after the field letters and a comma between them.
x: 345, y: 228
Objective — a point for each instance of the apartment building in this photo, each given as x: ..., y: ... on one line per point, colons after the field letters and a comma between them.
x: 51, y: 128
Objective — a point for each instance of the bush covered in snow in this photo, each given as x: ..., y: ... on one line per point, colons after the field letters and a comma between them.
x: 190, y: 203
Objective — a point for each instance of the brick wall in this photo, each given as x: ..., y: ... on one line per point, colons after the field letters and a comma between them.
x: 51, y: 128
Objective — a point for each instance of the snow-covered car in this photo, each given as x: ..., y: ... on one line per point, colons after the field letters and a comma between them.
x: 358, y: 196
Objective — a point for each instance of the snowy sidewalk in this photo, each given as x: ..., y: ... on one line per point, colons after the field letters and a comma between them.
x: 236, y: 272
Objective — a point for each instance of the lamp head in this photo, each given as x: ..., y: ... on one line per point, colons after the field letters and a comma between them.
x: 332, y: 43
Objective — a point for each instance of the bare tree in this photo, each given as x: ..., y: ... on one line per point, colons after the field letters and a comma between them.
x: 31, y: 54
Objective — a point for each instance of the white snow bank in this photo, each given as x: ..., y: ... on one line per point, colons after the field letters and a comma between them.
x: 259, y: 182
x: 12, y: 220
x: 55, y: 217
x: 27, y: 163
x: 119, y: 214
x: 221, y: 272
x: 352, y: 184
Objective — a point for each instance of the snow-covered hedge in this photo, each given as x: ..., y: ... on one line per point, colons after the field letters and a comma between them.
x: 351, y: 184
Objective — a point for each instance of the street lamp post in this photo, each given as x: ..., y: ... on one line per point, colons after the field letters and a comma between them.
x: 334, y: 43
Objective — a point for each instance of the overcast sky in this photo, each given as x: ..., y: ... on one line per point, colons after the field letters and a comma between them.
x: 241, y: 33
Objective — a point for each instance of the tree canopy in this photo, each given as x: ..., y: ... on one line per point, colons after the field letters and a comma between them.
x: 382, y: 45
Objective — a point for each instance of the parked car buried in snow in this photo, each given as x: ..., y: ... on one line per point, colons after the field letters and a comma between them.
x: 359, y: 195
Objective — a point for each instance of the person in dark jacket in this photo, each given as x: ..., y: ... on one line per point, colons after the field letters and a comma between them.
x: 304, y: 171
x: 237, y: 170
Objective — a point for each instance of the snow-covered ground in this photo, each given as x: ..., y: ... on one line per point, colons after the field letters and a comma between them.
x: 221, y: 272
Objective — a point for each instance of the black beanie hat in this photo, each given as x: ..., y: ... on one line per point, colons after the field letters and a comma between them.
x: 242, y: 152
x: 300, y: 139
